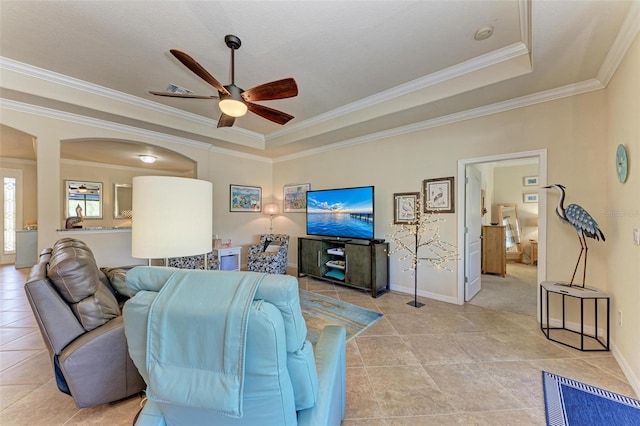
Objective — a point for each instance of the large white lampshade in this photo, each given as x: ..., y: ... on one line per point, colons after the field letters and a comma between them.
x: 172, y: 217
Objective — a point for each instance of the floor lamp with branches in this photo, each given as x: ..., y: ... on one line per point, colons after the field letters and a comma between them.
x: 413, y: 237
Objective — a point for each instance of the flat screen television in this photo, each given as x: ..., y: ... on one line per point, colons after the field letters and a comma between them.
x: 341, y: 213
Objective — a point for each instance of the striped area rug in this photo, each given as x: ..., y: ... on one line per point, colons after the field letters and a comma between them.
x: 569, y: 402
x: 319, y: 310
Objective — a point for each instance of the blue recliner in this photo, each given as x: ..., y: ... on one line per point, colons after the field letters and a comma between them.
x: 229, y: 348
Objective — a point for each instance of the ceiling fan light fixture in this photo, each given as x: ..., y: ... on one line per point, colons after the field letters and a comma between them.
x: 232, y: 105
x: 149, y: 159
x: 233, y: 108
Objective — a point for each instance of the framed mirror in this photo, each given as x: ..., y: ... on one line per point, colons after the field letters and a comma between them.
x: 122, y: 200
x: 508, y: 216
x: 83, y: 199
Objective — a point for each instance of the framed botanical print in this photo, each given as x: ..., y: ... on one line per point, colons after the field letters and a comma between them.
x: 295, y: 198
x: 438, y: 195
x: 406, y: 207
x: 245, y: 198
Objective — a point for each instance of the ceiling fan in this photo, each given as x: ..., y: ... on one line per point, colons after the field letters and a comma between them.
x: 234, y: 101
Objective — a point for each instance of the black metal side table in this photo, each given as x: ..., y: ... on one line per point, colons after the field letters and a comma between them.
x: 600, y: 341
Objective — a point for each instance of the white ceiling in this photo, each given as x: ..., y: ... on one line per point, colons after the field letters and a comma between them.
x: 362, y: 67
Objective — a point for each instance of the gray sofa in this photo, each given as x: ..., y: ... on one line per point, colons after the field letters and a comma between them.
x: 79, y: 317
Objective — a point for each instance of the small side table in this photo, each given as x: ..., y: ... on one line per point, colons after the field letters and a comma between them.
x: 223, y: 253
x: 599, y: 341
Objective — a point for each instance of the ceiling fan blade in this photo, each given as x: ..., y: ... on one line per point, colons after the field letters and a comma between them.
x: 269, y: 113
x: 286, y: 88
x: 198, y: 69
x: 226, y: 120
x: 182, y: 95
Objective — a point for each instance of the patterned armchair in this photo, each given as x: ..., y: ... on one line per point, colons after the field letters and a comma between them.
x: 194, y: 262
x: 270, y: 255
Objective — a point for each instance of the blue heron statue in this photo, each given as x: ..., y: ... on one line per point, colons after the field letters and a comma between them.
x: 582, y: 222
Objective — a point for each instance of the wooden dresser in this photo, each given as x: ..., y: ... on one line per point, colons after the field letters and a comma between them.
x: 494, y: 251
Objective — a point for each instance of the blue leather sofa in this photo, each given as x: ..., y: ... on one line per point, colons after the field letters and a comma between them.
x: 202, y: 368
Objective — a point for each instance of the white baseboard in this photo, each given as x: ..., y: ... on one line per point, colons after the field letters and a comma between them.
x: 633, y: 380
x: 435, y: 296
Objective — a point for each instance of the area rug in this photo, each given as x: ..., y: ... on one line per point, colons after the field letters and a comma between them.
x: 319, y: 310
x: 569, y: 402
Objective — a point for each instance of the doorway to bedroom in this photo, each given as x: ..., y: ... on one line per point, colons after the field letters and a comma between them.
x: 502, y: 270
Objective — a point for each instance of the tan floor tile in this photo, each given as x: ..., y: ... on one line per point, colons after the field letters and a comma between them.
x: 9, y: 334
x: 361, y: 401
x: 12, y: 393
x: 490, y: 418
x: 9, y: 318
x: 353, y: 355
x: 407, y: 391
x: 32, y: 340
x: 381, y: 328
x: 522, y: 378
x: 436, y: 349
x: 385, y: 350
x: 34, y: 370
x: 44, y: 406
x: 11, y: 358
x: 464, y: 383
x: 609, y: 364
x: 120, y: 413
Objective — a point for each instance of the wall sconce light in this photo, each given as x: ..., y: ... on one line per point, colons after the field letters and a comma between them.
x: 270, y: 209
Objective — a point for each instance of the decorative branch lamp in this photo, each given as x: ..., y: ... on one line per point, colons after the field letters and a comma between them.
x: 270, y: 209
x: 172, y: 217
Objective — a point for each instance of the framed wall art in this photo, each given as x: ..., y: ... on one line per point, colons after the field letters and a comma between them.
x: 405, y: 208
x: 245, y: 198
x: 530, y: 180
x: 295, y: 197
x: 530, y: 197
x: 438, y: 195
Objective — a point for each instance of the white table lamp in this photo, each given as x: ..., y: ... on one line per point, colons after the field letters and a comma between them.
x: 172, y: 217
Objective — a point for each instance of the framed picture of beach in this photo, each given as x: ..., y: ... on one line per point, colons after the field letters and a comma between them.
x: 438, y: 195
x: 406, y: 208
x: 530, y: 180
x: 295, y: 197
x: 245, y: 198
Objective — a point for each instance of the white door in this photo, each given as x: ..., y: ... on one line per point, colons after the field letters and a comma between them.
x: 473, y: 225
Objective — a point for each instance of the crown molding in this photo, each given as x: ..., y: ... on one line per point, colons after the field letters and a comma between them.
x: 115, y: 95
x: 492, y: 58
x: 628, y: 32
x: 18, y: 161
x: 88, y: 121
x: 523, y: 101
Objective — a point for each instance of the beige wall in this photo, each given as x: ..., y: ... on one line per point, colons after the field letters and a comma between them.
x: 621, y: 211
x: 571, y: 129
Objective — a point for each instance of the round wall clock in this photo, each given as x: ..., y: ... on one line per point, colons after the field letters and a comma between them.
x: 622, y: 165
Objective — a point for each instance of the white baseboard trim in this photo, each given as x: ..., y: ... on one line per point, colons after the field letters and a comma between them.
x: 435, y: 296
x: 575, y: 326
x: 633, y: 380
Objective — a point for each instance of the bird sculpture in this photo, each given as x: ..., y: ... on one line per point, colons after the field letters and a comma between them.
x: 582, y: 222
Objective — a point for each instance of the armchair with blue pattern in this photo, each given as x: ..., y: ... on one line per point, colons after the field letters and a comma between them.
x: 270, y: 255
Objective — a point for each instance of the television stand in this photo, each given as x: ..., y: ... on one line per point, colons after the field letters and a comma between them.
x: 355, y: 263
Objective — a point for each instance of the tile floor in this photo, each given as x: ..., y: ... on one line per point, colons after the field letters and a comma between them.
x: 441, y: 364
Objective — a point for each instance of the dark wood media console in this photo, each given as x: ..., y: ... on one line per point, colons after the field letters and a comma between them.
x: 355, y: 263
